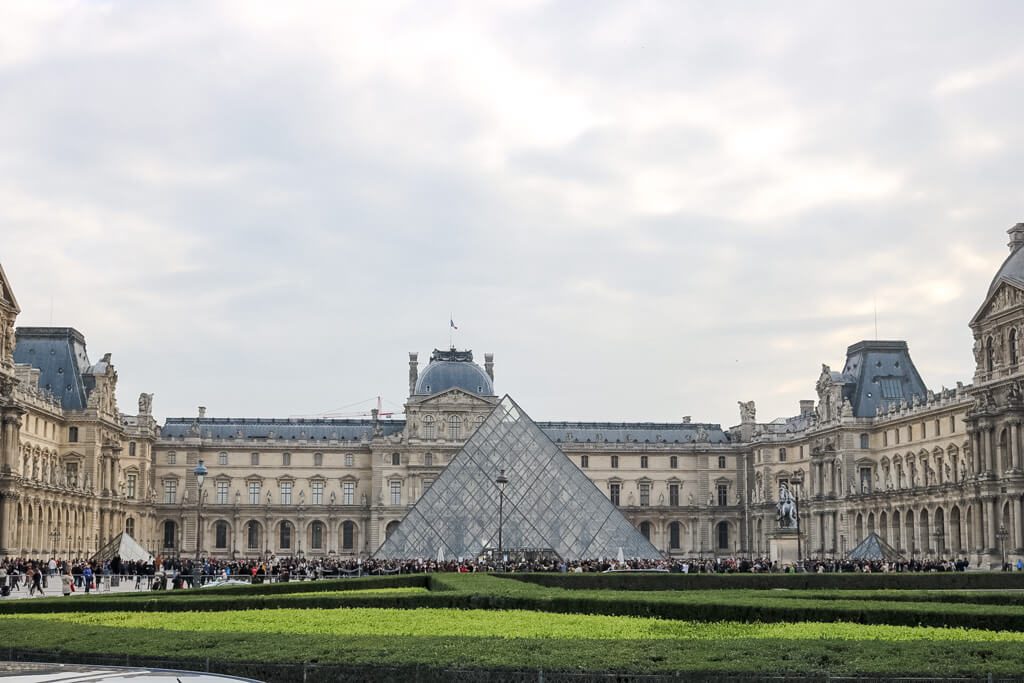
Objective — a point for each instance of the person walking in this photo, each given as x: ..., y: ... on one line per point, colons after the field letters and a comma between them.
x: 67, y: 584
x: 87, y: 578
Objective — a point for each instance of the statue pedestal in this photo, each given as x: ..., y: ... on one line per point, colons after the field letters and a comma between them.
x: 783, y: 546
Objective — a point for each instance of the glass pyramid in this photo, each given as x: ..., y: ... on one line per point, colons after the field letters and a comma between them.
x: 549, y: 503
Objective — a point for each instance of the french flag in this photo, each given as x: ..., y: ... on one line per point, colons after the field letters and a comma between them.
x: 452, y: 323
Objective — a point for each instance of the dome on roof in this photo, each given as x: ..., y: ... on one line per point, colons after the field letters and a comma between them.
x: 1012, y: 269
x: 442, y: 375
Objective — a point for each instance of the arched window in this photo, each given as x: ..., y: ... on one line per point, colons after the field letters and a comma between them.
x: 723, y: 535
x: 316, y: 535
x: 170, y: 534
x: 252, y: 535
x: 220, y: 535
x: 129, y: 526
x: 391, y: 528
x: 285, y: 540
x: 1013, y: 347
x: 396, y: 459
x: 645, y: 529
x: 348, y: 535
x: 454, y: 427
x: 674, y: 536
x: 428, y: 426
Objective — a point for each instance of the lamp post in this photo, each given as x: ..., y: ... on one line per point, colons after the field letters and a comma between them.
x: 1002, y: 535
x: 200, y: 472
x: 797, y: 480
x: 501, y: 481
x: 55, y: 537
x: 939, y: 538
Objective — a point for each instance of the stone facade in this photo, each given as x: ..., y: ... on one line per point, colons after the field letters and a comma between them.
x: 933, y: 472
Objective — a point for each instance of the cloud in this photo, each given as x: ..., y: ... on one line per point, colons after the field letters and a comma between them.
x: 644, y: 212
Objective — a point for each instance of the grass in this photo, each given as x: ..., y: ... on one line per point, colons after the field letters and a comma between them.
x: 468, y: 621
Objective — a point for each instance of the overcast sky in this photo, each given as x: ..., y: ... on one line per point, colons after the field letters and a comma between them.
x: 644, y: 210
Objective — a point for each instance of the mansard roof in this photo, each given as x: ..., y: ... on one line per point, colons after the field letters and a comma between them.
x: 879, y: 373
x: 60, y: 356
x: 276, y: 429
x: 636, y: 432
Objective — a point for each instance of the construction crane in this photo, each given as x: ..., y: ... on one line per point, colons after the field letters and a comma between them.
x: 335, y: 415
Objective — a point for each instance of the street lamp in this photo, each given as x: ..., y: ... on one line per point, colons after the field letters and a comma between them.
x: 939, y: 538
x: 55, y: 537
x: 501, y: 481
x: 1002, y: 535
x: 797, y: 480
x: 200, y: 472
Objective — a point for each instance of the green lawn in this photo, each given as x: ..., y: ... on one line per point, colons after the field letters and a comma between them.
x: 480, y: 622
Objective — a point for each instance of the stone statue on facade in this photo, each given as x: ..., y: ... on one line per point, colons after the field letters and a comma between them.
x: 748, y: 411
x: 786, y: 508
x: 702, y: 435
x: 9, y: 341
x: 145, y: 404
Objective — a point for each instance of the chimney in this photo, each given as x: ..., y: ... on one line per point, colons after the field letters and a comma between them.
x: 489, y: 365
x: 1016, y: 234
x: 202, y: 412
x: 414, y: 371
x: 806, y: 408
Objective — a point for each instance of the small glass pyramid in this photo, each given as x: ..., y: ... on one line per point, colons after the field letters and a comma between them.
x: 549, y: 503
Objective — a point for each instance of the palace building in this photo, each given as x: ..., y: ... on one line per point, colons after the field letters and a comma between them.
x: 932, y: 472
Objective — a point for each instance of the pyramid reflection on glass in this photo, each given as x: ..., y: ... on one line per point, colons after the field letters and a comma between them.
x: 549, y: 503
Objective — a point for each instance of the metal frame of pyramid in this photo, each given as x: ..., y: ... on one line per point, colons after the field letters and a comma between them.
x: 125, y: 547
x: 874, y: 547
x: 549, y: 503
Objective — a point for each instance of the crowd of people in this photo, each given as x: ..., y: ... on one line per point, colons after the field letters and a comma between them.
x: 38, y: 577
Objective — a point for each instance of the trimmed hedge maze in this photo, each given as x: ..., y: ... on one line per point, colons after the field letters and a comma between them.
x: 480, y: 627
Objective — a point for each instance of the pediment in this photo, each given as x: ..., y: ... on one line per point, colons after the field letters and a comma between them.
x: 456, y: 395
x: 7, y: 299
x: 1005, y: 297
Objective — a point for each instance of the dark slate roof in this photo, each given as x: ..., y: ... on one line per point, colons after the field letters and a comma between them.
x: 453, y: 369
x: 631, y: 432
x: 59, y: 355
x: 1012, y: 270
x: 276, y: 429
x: 878, y: 374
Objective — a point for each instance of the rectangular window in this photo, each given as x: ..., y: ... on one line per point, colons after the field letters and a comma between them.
x: 318, y: 492
x: 131, y: 449
x: 885, y: 438
x: 897, y: 433
x: 645, y: 495
x: 673, y: 495
x: 72, y: 434
x: 427, y: 483
x: 615, y: 462
x: 350, y: 460
x: 614, y: 489
x: 938, y: 428
x: 721, y: 461
x: 673, y: 462
x: 396, y: 493
x: 286, y: 493
x: 782, y: 455
x: 910, y: 433
x: 723, y: 495
x: 348, y: 493
x: 222, y: 458
x: 584, y: 461
x: 643, y: 462
x: 254, y: 459
x: 131, y: 480
x: 222, y: 493
x: 318, y: 459
x: 864, y: 441
x: 170, y: 490
x: 454, y: 427
x: 172, y: 458
x: 286, y: 459
x: 254, y: 493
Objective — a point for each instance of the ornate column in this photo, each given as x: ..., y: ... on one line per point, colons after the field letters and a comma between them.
x: 993, y: 452
x: 993, y: 516
x: 1015, y: 451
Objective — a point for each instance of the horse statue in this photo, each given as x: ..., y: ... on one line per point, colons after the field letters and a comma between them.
x: 786, y: 508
